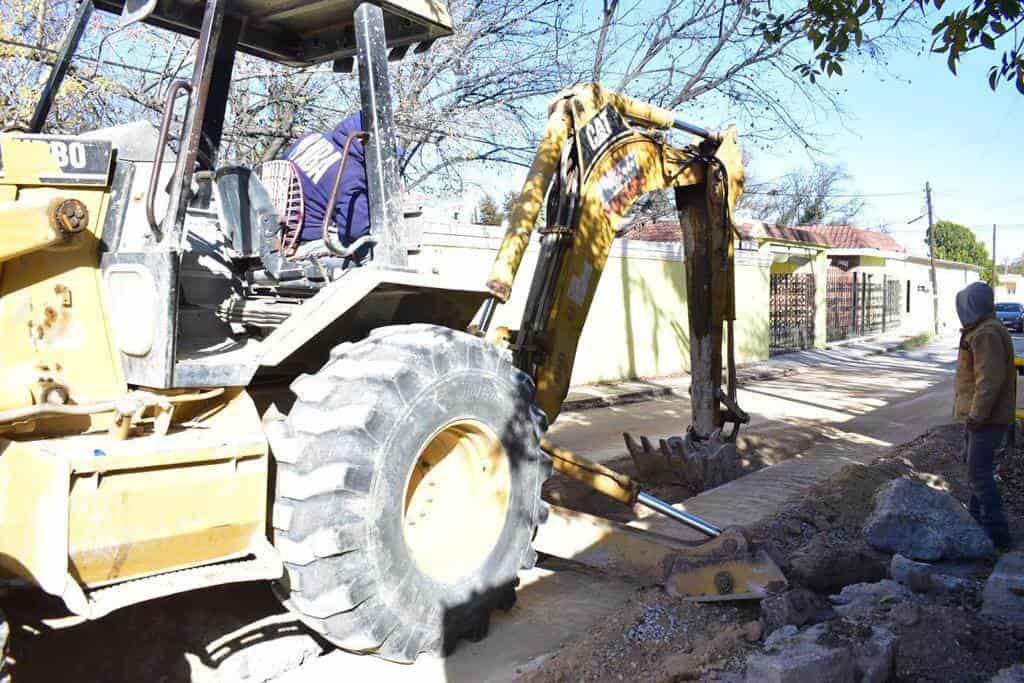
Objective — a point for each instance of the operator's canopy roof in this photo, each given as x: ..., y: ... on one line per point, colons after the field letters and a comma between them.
x: 296, y: 32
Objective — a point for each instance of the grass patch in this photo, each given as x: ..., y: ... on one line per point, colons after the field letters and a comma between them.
x: 915, y: 342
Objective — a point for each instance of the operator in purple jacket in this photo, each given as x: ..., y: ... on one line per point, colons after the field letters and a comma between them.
x: 317, y: 156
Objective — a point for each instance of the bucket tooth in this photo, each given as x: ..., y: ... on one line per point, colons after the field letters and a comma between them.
x: 694, y: 462
x: 644, y: 456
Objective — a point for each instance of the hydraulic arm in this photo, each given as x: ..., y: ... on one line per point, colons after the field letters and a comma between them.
x: 601, y: 152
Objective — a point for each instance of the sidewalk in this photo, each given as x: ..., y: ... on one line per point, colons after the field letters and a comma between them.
x: 584, y: 397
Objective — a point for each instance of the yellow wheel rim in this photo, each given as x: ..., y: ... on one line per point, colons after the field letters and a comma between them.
x: 456, y: 500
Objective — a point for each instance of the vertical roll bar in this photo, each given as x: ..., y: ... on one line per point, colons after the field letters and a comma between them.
x: 387, y: 224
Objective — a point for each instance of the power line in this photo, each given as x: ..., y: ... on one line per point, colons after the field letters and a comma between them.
x: 83, y: 58
x: 771, y: 193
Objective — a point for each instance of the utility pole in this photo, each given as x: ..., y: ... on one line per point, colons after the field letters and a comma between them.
x: 931, y: 251
x: 995, y: 270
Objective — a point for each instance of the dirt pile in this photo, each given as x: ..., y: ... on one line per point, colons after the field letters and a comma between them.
x: 818, y: 540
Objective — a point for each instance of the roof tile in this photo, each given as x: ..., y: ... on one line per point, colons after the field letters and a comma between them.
x: 833, y: 236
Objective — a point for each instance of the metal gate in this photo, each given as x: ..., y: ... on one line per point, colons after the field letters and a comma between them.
x: 839, y: 300
x: 791, y: 313
x: 893, y: 304
x: 859, y: 304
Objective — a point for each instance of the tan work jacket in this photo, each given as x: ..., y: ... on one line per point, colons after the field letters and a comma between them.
x: 986, y: 380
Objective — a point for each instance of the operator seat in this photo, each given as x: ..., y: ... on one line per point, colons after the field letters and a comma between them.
x: 245, y: 209
x: 253, y: 226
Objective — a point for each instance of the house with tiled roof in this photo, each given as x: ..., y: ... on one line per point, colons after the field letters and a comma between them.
x: 847, y: 237
x: 862, y: 282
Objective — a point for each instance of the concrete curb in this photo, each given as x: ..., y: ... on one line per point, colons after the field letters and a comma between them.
x: 754, y: 372
x: 590, y: 402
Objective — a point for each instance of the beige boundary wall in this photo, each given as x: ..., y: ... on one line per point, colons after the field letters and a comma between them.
x: 637, y: 326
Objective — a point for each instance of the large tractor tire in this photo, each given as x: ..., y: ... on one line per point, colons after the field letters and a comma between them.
x: 408, y: 490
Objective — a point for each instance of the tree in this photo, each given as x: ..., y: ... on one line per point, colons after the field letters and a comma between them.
x: 834, y: 28
x: 488, y: 212
x: 700, y: 57
x: 466, y: 101
x: 803, y: 197
x: 955, y: 242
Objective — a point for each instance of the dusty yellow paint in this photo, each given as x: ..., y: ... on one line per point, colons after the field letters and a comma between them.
x: 633, y: 165
x: 527, y: 207
x: 698, y: 571
x: 34, y: 523
x: 25, y: 160
x: 28, y: 226
x: 100, y: 510
x: 52, y: 313
x: 615, y: 485
x: 456, y: 500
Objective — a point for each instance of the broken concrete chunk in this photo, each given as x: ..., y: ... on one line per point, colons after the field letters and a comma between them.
x: 1003, y: 597
x: 838, y: 650
x: 922, y: 523
x: 922, y: 577
x: 861, y: 600
x: 803, y: 662
x: 873, y: 657
x: 779, y: 636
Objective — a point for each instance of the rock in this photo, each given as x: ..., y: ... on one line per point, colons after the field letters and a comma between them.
x: 797, y: 606
x: 806, y: 655
x: 753, y: 630
x: 921, y: 577
x: 873, y: 658
x: 862, y: 600
x: 922, y: 523
x: 801, y: 657
x: 1003, y: 597
x: 802, y: 663
x: 1011, y: 674
x: 794, y: 528
x: 827, y: 566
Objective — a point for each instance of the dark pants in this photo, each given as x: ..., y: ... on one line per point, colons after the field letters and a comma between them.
x: 986, y: 505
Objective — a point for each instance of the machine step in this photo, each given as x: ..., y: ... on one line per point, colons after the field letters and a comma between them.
x: 264, y: 564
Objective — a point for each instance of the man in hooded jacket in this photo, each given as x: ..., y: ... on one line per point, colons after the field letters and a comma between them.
x: 318, y: 157
x: 986, y: 392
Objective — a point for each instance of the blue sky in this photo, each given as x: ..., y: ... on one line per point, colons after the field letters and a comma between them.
x: 903, y: 125
x: 919, y: 123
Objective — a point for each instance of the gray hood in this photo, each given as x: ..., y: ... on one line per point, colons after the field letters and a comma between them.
x: 974, y: 302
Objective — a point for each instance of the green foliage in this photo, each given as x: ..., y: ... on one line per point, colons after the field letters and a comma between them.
x: 955, y: 242
x: 834, y: 27
x: 488, y: 212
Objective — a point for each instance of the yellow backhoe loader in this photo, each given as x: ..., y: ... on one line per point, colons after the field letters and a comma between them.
x: 184, y: 403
